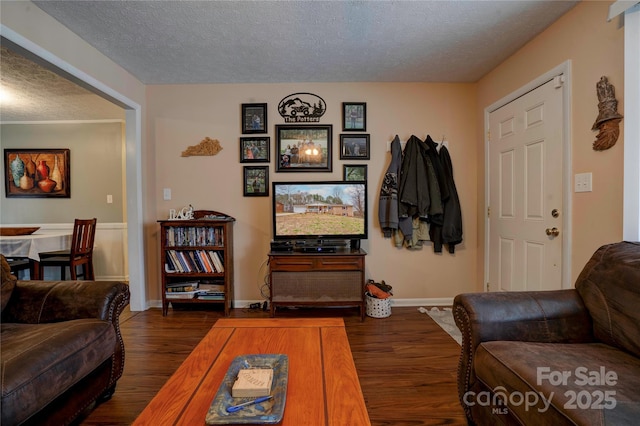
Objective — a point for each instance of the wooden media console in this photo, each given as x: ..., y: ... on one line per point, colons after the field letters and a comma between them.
x: 317, y: 279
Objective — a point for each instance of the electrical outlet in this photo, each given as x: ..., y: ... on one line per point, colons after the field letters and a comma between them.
x: 109, y: 199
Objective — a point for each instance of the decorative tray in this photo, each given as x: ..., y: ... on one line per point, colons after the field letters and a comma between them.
x: 270, y: 411
x: 7, y: 231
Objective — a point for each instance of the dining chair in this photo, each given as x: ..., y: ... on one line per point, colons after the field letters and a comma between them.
x: 80, y: 253
x: 18, y: 264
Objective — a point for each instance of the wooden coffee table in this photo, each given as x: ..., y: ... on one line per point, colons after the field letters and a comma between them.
x: 323, y: 387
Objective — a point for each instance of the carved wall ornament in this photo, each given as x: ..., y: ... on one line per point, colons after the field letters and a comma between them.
x: 608, y: 121
x: 302, y: 108
x: 207, y: 146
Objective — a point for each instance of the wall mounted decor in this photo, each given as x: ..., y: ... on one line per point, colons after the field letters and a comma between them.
x: 354, y: 172
x: 303, y: 148
x: 254, y: 118
x: 608, y: 121
x: 207, y: 146
x: 302, y: 108
x: 256, y: 181
x: 354, y: 147
x: 354, y: 116
x: 37, y: 173
x: 255, y: 149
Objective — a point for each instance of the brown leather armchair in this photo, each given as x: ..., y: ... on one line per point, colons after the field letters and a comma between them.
x: 566, y: 357
x: 61, y: 347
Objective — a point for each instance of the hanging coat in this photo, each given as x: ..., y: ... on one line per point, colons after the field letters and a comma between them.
x: 388, y: 205
x: 450, y: 232
x: 419, y: 193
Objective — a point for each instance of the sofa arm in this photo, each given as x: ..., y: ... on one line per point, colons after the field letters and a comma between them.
x: 36, y: 302
x: 538, y: 316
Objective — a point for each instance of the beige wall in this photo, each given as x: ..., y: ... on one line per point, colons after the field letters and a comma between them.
x: 96, y: 171
x: 179, y: 116
x: 595, y: 48
x: 183, y: 115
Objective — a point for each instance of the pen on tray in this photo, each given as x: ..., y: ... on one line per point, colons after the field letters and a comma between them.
x: 239, y: 407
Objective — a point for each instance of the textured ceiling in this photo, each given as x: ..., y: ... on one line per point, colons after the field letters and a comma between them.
x: 190, y: 42
x: 180, y: 42
x: 36, y: 93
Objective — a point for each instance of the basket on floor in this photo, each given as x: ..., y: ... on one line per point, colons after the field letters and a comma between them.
x: 378, y: 308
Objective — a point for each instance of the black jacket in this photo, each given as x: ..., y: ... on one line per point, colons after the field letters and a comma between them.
x: 450, y: 232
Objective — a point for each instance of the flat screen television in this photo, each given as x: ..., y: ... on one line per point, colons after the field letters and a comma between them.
x: 327, y: 210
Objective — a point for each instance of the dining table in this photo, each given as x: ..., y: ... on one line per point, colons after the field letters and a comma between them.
x: 30, y: 247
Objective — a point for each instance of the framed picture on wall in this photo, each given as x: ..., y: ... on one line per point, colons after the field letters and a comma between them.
x: 37, y: 173
x: 254, y: 149
x: 254, y: 118
x: 354, y: 116
x: 355, y: 172
x: 354, y: 147
x: 303, y: 148
x: 256, y: 181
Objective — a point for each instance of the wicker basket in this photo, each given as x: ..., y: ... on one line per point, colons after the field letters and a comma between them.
x: 378, y: 308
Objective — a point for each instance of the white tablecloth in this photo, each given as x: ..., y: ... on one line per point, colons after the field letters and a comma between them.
x: 32, y: 245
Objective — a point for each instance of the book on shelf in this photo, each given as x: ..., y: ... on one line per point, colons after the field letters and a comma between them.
x: 177, y: 264
x: 195, y: 260
x: 170, y: 264
x: 181, y: 294
x: 206, y: 262
x: 252, y: 382
x: 211, y: 295
x: 217, y: 261
x: 193, y: 236
x: 206, y: 286
x: 182, y: 287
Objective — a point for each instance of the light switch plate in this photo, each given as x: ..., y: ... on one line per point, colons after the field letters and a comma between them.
x: 166, y: 194
x: 583, y: 182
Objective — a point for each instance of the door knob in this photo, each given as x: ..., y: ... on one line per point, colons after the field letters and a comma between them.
x: 553, y: 231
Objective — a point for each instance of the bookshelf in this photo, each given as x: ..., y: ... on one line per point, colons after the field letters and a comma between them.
x: 196, y: 256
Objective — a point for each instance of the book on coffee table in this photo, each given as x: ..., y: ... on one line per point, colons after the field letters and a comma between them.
x: 269, y: 411
x: 252, y: 382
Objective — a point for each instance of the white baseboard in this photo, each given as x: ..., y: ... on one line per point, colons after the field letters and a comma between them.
x: 437, y: 301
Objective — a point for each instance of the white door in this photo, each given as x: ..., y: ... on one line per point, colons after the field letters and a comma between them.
x: 525, y: 192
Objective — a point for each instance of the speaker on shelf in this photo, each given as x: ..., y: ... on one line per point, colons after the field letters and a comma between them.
x: 355, y: 244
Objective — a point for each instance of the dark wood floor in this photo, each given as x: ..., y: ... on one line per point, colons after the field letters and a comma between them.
x: 406, y: 363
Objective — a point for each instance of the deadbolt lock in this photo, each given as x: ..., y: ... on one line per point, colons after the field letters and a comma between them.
x: 555, y: 213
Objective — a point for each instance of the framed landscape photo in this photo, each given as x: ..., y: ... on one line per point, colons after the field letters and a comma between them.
x: 256, y: 181
x: 254, y: 118
x: 354, y: 147
x: 354, y: 116
x: 37, y: 173
x: 302, y: 148
x: 255, y: 149
x: 354, y: 172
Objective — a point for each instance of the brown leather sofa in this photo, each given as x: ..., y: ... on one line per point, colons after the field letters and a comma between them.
x: 60, y: 347
x: 566, y: 357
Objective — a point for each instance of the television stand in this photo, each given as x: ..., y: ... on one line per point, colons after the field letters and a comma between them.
x: 322, y: 278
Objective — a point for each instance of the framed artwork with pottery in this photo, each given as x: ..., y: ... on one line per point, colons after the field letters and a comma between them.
x: 37, y: 173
